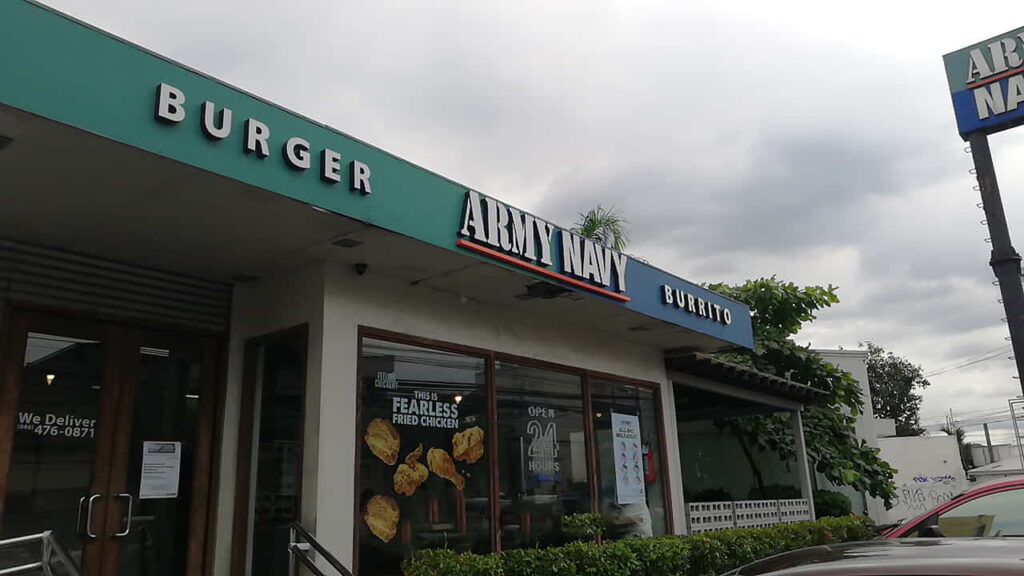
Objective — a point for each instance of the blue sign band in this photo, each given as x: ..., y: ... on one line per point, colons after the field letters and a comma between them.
x: 996, y: 102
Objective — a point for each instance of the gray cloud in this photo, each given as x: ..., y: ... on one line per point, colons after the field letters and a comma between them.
x: 791, y: 192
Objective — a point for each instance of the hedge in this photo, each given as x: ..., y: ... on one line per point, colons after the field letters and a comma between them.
x: 696, y: 555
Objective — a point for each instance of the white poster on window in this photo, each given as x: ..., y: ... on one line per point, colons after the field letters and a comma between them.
x: 629, y: 465
x: 161, y: 467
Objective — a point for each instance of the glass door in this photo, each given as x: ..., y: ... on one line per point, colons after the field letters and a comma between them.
x: 109, y: 444
x: 57, y: 394
x: 157, y: 519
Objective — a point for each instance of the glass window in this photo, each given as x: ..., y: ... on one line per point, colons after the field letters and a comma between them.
x: 542, y: 454
x: 54, y: 442
x: 631, y: 494
x: 999, y: 514
x: 278, y: 430
x: 424, y: 467
x: 426, y: 433
x: 166, y: 410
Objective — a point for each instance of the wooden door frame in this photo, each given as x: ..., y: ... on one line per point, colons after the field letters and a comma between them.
x: 117, y: 336
x: 12, y: 338
x: 246, y: 450
x: 19, y: 324
x: 202, y: 461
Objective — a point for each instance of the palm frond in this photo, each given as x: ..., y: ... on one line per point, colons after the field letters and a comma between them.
x: 604, y: 225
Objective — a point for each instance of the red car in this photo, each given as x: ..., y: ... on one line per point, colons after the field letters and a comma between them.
x: 991, y: 509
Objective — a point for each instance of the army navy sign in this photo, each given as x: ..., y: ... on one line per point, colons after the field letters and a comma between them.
x: 986, y: 81
x: 513, y: 236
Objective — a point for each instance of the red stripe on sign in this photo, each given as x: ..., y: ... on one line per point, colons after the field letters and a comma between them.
x: 542, y: 271
x: 995, y: 78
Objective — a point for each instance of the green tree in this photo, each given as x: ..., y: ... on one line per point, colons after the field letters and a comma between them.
x: 779, y: 310
x: 894, y: 382
x: 605, y: 225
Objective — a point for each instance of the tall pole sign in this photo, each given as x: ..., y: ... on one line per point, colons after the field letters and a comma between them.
x: 986, y: 81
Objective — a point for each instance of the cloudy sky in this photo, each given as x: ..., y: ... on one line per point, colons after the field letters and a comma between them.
x: 811, y: 141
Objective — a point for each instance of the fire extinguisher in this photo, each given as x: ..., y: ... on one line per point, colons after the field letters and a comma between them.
x: 650, y: 473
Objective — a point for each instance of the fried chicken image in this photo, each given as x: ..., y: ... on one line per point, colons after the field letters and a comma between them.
x: 381, y: 517
x: 383, y: 440
x: 441, y: 464
x: 468, y: 446
x: 411, y: 473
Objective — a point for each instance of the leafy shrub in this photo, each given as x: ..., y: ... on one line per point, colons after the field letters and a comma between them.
x: 592, y: 559
x: 695, y: 555
x: 665, y: 556
x: 583, y: 526
x: 536, y: 562
x: 831, y: 504
x: 448, y: 563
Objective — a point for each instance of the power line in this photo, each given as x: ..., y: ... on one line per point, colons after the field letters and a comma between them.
x: 976, y: 420
x: 976, y: 412
x: 964, y: 364
x: 1005, y: 347
x: 977, y: 415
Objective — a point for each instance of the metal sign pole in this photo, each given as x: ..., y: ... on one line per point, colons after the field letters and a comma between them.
x: 1005, y: 260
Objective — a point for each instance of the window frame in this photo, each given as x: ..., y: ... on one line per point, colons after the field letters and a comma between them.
x: 934, y: 518
x: 662, y: 445
x: 248, y: 452
x: 491, y: 358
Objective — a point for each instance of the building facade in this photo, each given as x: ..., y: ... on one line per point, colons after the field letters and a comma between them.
x: 220, y: 317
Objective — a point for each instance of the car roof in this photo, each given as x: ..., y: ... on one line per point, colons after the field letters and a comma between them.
x: 933, y: 556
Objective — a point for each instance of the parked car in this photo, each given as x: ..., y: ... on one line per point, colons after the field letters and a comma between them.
x: 994, y: 508
x: 907, y: 557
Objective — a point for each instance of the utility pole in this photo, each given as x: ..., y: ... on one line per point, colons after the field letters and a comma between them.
x: 988, y: 442
x: 1005, y: 260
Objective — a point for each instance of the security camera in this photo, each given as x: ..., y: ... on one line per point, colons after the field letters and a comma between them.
x: 361, y: 268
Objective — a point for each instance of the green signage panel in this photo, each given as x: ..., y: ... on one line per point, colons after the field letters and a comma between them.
x: 986, y: 82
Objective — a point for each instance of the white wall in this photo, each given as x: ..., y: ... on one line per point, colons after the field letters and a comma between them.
x: 1003, y: 453
x: 885, y: 427
x: 928, y: 472
x: 855, y: 362
x: 377, y: 302
x: 291, y: 298
x: 335, y: 302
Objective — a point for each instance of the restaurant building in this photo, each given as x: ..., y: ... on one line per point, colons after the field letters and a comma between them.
x: 219, y: 317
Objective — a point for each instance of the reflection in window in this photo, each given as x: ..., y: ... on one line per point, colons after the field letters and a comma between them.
x: 277, y: 489
x: 54, y: 440
x: 631, y: 489
x: 166, y: 408
x: 424, y: 463
x: 542, y: 454
x: 999, y: 514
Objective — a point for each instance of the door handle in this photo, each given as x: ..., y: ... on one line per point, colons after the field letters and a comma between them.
x: 128, y: 520
x: 78, y: 520
x: 88, y: 516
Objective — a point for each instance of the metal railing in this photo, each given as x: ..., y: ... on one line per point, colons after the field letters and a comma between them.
x: 300, y: 542
x: 50, y: 550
